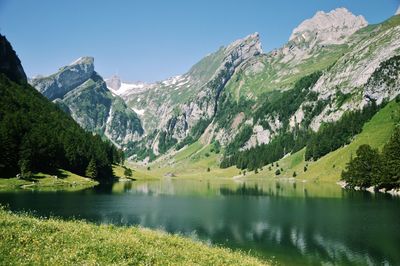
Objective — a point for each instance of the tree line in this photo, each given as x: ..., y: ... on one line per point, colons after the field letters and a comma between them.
x: 370, y: 167
x: 332, y: 136
x: 329, y: 137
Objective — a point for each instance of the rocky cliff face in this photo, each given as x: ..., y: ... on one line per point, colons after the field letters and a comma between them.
x: 82, y: 93
x: 66, y: 79
x: 351, y: 73
x: 176, y: 105
x: 10, y: 64
x: 384, y: 83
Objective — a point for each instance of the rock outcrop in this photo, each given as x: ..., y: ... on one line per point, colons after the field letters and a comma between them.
x: 66, y: 79
x: 384, y: 83
x: 328, y: 28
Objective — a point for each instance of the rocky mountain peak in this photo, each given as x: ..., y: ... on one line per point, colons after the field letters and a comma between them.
x: 84, y: 60
x: 250, y: 43
x: 82, y: 64
x: 329, y: 28
x: 398, y: 11
x: 67, y: 78
x: 114, y: 82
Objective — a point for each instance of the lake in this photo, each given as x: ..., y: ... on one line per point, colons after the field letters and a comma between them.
x: 293, y: 223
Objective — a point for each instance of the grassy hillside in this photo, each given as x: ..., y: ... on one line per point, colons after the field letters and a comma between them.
x: 328, y: 168
x: 278, y: 75
x: 28, y: 240
x: 193, y: 161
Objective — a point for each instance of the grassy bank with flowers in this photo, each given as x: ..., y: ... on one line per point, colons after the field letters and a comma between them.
x: 25, y: 239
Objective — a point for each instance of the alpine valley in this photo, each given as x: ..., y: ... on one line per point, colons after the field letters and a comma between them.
x: 283, y: 157
x: 245, y: 107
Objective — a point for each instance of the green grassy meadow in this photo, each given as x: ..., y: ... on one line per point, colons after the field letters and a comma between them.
x: 26, y: 240
x: 43, y: 181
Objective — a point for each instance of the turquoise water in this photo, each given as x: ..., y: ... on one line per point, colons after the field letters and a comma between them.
x: 290, y: 223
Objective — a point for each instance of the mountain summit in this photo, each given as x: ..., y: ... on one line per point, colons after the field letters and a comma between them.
x: 81, y: 92
x: 329, y: 28
x: 66, y: 79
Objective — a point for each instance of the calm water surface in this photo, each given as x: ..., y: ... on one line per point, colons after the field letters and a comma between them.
x: 290, y: 223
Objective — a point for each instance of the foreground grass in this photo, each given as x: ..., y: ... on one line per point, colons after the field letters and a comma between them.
x: 33, y: 241
x: 42, y: 181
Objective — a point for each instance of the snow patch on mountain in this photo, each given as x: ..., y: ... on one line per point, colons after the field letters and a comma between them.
x: 124, y: 89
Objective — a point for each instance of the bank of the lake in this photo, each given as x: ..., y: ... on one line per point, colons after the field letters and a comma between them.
x: 29, y: 240
x: 59, y: 180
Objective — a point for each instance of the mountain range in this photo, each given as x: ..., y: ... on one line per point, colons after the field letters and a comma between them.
x: 240, y: 97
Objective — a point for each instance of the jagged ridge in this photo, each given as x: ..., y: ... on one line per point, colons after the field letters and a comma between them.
x: 81, y: 92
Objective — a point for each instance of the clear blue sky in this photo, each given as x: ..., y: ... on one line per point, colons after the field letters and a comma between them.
x: 151, y: 40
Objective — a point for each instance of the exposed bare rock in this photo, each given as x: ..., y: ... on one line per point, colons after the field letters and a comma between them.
x: 237, y: 120
x: 66, y: 79
x: 259, y: 136
x: 385, y: 83
x: 353, y: 70
x: 329, y: 28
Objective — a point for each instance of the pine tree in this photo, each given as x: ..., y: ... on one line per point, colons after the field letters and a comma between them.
x: 128, y: 172
x: 25, y: 166
x: 91, y: 170
x: 391, y: 159
x: 363, y: 170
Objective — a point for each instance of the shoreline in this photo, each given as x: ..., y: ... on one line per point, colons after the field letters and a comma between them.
x: 63, y: 180
x: 372, y: 189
